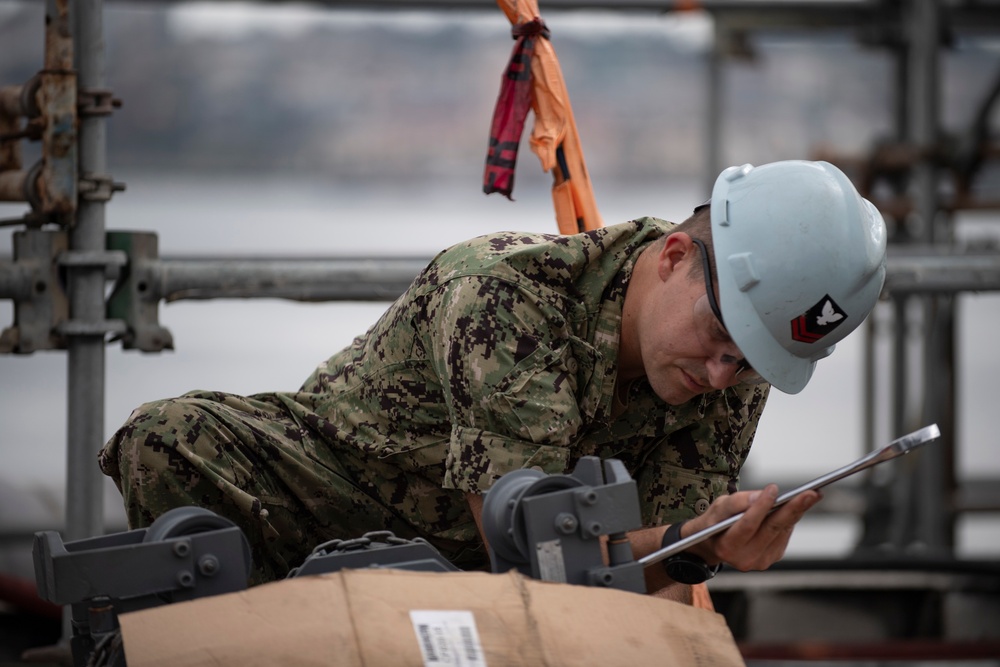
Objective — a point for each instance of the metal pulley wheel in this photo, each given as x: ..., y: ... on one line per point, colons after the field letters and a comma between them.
x: 503, y: 519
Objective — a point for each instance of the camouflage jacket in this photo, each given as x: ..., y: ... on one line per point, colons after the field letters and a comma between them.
x: 502, y: 355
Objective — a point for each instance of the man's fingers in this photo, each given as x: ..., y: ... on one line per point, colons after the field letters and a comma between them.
x: 775, y: 532
x: 784, y: 519
x: 760, y: 538
x: 744, y: 530
x: 790, y: 513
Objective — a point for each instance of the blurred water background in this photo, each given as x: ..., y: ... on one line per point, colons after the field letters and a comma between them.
x: 295, y: 131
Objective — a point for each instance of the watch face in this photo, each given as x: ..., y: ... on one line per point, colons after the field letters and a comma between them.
x: 688, y: 569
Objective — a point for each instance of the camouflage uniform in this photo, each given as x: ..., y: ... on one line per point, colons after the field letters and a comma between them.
x: 501, y: 355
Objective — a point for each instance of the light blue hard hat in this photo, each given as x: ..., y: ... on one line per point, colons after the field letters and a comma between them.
x: 800, y: 257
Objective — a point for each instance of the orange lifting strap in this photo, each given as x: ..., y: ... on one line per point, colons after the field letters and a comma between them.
x: 534, y: 80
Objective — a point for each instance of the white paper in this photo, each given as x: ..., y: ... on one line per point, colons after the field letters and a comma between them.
x: 447, y: 638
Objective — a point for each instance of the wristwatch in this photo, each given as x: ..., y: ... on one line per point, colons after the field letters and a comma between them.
x: 684, y: 567
x: 687, y: 568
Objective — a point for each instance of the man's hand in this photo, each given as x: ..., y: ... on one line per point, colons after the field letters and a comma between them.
x: 759, y: 539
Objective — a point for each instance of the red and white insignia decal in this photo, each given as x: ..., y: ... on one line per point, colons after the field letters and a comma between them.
x: 818, y: 321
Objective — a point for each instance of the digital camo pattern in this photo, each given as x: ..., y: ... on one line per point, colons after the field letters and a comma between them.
x: 501, y: 355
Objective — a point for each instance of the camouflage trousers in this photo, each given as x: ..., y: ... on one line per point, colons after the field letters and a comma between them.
x: 248, y: 460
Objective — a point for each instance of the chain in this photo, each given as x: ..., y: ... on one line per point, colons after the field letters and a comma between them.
x: 376, y: 537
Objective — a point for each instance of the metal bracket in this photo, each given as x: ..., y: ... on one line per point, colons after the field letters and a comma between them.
x: 35, y: 280
x: 40, y: 302
x: 97, y: 102
x: 113, y: 259
x: 133, y: 300
x: 79, y: 328
x: 98, y: 187
x: 549, y: 526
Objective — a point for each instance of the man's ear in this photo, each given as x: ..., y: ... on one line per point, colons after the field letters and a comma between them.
x: 677, y: 248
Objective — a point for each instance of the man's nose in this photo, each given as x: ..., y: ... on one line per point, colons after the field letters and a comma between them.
x: 723, y: 366
x: 721, y: 371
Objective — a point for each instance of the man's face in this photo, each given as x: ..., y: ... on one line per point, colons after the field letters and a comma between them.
x: 686, y: 350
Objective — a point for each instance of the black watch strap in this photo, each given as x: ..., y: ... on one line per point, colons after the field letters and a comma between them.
x: 685, y: 568
x: 672, y: 534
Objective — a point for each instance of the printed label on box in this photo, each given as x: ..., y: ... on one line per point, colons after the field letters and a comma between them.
x: 447, y: 638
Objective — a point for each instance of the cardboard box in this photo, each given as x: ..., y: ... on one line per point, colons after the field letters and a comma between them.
x: 393, y: 617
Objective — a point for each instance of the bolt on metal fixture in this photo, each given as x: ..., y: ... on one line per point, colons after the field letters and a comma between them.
x: 208, y: 565
x: 566, y: 523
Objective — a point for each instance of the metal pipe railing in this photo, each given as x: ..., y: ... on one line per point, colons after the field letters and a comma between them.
x: 910, y: 270
x: 335, y: 279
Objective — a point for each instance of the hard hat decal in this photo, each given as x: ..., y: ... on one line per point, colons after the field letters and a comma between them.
x: 818, y: 321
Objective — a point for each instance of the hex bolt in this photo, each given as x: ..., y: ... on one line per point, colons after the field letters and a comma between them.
x: 595, y: 528
x: 587, y: 498
x: 182, y: 548
x: 208, y: 565
x: 566, y: 523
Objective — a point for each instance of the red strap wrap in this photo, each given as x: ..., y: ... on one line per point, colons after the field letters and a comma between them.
x: 511, y: 110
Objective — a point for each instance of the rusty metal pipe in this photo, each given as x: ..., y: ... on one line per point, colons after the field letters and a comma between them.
x: 11, y: 108
x: 13, y: 185
x: 11, y: 101
x: 19, y: 101
x: 58, y: 36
